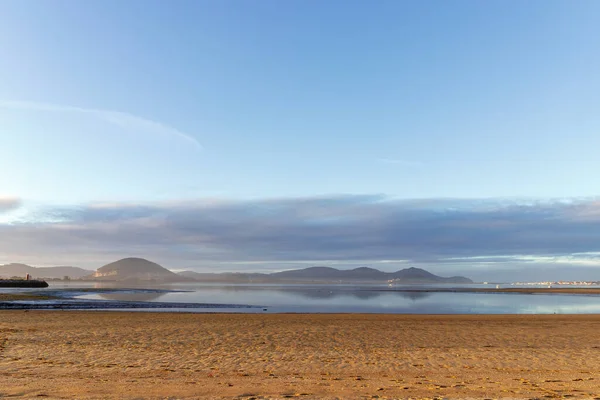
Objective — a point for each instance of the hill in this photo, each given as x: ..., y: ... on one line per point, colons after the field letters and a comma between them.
x: 418, y: 275
x: 229, y: 277
x: 136, y: 269
x: 16, y: 269
x: 328, y: 274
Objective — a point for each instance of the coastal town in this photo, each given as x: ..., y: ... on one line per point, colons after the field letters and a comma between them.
x: 558, y: 283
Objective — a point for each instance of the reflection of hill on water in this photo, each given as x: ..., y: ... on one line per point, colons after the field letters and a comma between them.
x: 357, y: 294
x: 131, y: 296
x: 330, y: 294
x: 414, y: 296
x: 322, y: 293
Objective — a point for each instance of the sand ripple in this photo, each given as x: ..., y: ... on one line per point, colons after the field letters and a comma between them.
x: 158, y: 355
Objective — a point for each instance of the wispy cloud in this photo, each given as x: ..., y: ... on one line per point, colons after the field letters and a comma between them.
x: 400, y: 162
x: 122, y: 119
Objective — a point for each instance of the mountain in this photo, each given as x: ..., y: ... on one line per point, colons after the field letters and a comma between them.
x: 136, y: 269
x: 418, y: 275
x: 357, y: 274
x: 309, y: 273
x: 328, y: 274
x: 231, y: 277
x: 15, y: 269
x: 139, y: 269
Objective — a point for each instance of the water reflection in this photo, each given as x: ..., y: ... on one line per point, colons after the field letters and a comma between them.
x: 147, y: 296
x: 414, y: 296
x: 339, y: 298
x: 360, y: 294
x: 319, y: 292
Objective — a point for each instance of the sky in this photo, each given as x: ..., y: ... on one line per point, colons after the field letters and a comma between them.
x: 266, y: 135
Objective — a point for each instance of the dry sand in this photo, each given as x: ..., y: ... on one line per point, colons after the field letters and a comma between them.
x: 165, y: 355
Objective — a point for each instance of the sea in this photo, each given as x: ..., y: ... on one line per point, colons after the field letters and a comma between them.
x: 329, y: 298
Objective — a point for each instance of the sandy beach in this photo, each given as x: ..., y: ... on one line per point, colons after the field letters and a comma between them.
x: 166, y: 355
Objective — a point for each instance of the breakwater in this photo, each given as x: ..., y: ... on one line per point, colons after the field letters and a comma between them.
x: 22, y: 283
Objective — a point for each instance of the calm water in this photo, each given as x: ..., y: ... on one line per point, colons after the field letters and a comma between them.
x: 358, y: 298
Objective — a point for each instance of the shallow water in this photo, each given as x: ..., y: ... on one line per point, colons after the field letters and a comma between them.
x: 355, y: 298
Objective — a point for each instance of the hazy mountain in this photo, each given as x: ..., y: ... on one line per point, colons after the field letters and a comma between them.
x: 136, y: 269
x: 309, y: 273
x: 328, y: 274
x: 232, y: 277
x: 420, y: 275
x: 362, y: 273
x: 15, y: 269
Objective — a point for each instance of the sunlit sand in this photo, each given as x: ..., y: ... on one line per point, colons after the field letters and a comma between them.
x: 158, y: 355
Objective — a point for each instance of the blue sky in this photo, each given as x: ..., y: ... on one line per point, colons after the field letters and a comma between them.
x: 150, y: 102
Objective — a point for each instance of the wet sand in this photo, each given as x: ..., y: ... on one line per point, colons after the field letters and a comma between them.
x: 65, y: 354
x: 23, y: 296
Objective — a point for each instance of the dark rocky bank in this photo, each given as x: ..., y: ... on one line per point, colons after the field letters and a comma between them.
x: 22, y: 283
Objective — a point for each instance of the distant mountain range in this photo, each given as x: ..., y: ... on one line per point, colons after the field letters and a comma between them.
x: 141, y: 270
x: 10, y: 270
x: 328, y: 274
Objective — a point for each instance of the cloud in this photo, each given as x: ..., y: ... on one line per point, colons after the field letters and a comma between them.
x: 121, y: 119
x: 8, y: 203
x: 337, y: 229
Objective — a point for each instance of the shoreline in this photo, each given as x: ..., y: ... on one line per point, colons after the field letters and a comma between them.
x: 240, y: 356
x: 519, y: 290
x: 66, y: 299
